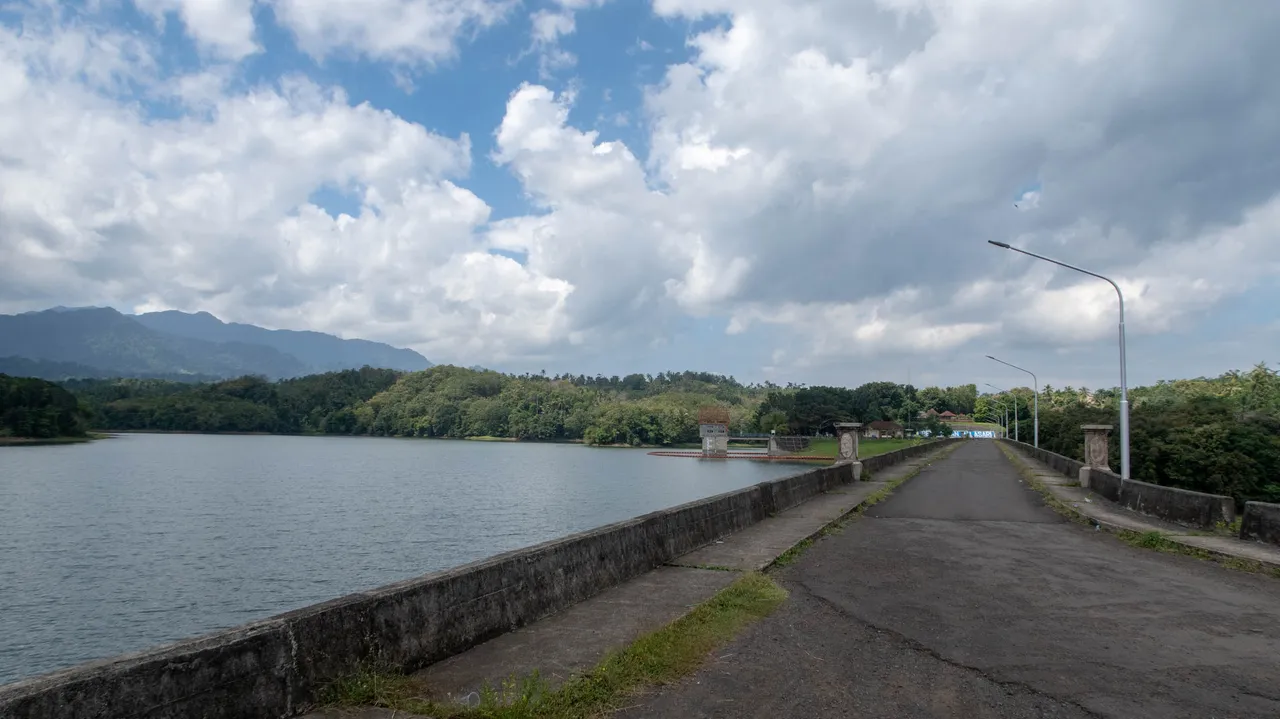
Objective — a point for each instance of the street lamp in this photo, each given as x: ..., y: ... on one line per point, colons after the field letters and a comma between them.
x: 1015, y: 411
x: 1124, y: 382
x: 1036, y: 397
x: 988, y: 414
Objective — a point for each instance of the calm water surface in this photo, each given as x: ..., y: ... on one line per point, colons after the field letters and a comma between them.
x: 121, y: 544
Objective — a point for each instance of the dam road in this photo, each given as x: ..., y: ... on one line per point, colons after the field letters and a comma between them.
x: 963, y: 595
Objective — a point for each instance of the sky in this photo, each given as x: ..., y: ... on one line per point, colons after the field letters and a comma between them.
x: 782, y: 190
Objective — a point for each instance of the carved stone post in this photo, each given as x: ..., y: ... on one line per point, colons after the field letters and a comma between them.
x: 1097, y: 449
x: 847, y: 434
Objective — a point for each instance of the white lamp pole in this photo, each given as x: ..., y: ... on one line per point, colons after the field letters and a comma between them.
x: 1015, y: 410
x: 1124, y: 381
x: 1036, y: 397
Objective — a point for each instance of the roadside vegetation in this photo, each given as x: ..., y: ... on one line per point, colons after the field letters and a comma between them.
x: 656, y: 658
x: 1218, y: 435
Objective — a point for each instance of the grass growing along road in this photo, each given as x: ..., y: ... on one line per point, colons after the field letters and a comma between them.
x: 658, y: 657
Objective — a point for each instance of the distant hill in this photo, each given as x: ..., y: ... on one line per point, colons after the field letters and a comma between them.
x: 101, y: 342
x: 59, y: 371
x: 319, y: 351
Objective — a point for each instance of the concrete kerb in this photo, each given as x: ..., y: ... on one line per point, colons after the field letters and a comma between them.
x: 1190, y: 544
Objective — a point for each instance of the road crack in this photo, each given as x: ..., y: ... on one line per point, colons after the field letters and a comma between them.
x: 919, y: 646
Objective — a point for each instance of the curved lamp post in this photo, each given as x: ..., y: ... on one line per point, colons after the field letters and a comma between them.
x: 989, y: 415
x: 1036, y: 397
x: 1124, y: 382
x: 1000, y: 403
x: 1014, y: 400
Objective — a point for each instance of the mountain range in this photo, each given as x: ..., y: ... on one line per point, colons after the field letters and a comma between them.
x: 101, y: 342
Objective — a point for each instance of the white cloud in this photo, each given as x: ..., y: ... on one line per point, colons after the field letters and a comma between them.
x: 101, y: 204
x: 1175, y: 282
x: 823, y: 173
x: 407, y: 32
x: 224, y: 27
x: 548, y: 27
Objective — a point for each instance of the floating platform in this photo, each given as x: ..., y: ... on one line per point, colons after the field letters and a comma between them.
x: 759, y: 456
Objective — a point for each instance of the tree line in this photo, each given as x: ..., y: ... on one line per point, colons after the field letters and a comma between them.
x: 38, y: 409
x: 447, y: 401
x: 1219, y: 435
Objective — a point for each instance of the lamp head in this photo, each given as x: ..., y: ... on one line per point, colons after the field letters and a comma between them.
x: 1005, y: 245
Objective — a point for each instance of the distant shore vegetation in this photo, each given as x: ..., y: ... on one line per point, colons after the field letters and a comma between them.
x: 1219, y: 434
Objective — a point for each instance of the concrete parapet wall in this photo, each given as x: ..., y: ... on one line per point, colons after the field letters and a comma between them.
x: 1182, y: 506
x: 871, y: 465
x: 1194, y: 509
x: 1100, y: 481
x: 275, y: 667
x: 1261, y: 522
x: 1066, y: 465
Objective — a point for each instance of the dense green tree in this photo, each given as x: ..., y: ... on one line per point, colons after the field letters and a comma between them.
x: 38, y: 409
x: 1219, y: 435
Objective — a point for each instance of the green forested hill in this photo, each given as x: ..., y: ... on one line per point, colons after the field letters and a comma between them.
x: 1217, y: 435
x: 447, y: 401
x: 34, y: 408
x: 314, y: 404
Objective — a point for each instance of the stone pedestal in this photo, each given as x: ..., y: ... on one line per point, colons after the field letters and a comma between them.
x: 1097, y: 445
x: 847, y: 434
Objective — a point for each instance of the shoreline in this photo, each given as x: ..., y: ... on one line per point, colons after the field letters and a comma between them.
x: 479, y: 438
x: 49, y: 441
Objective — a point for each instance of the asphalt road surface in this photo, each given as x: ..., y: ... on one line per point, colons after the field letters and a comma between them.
x: 963, y: 596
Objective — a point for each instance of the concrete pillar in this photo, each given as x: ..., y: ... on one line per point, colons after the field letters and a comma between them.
x: 1097, y: 445
x: 847, y: 452
x: 847, y: 433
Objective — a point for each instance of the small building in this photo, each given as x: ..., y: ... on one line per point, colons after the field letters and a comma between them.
x: 948, y: 416
x: 884, y: 429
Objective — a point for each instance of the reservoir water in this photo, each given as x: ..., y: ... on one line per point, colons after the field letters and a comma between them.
x: 121, y: 544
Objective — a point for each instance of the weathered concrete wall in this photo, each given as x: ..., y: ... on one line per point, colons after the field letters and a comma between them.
x: 1182, y: 506
x: 273, y: 668
x: 1066, y: 465
x: 1194, y: 509
x: 1261, y: 522
x: 871, y: 465
x: 1100, y: 481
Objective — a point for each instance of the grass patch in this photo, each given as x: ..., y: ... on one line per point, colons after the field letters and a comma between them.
x: 791, y: 555
x: 830, y: 446
x: 1149, y: 540
x: 369, y: 686
x: 655, y: 658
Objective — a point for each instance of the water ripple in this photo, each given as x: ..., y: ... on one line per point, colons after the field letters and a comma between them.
x: 122, y: 544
